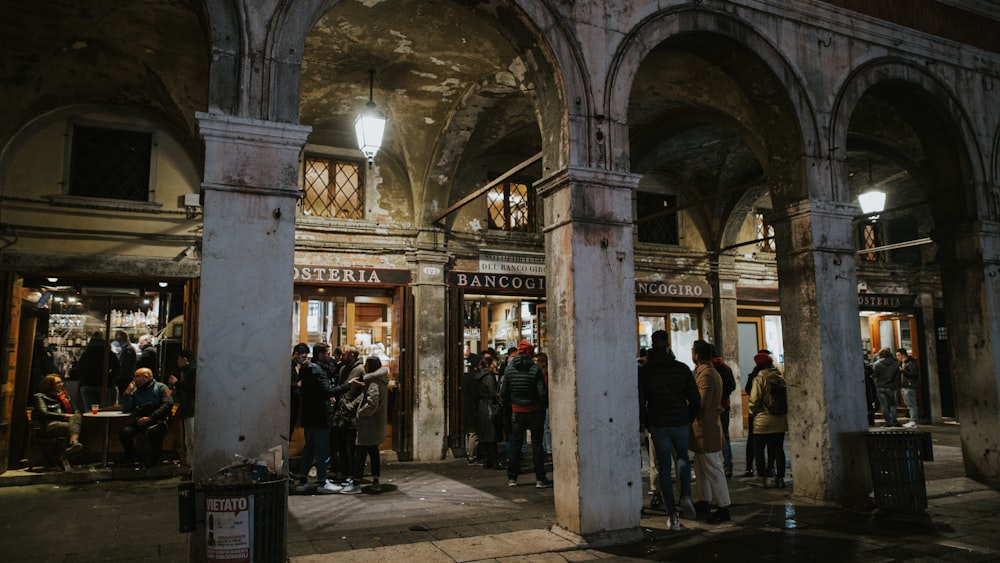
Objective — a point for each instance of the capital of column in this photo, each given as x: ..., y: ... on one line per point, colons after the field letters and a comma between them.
x: 722, y: 276
x: 587, y: 195
x: 962, y: 244
x: 428, y: 266
x: 815, y: 226
x: 250, y: 154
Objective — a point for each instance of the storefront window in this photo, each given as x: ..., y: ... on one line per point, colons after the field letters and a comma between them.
x: 683, y: 330
x: 361, y: 321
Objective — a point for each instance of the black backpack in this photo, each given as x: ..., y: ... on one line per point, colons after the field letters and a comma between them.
x: 776, y: 397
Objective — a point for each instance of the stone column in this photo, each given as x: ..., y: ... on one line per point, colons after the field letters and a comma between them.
x: 429, y: 359
x: 930, y: 377
x: 970, y: 276
x: 725, y: 331
x: 823, y: 368
x: 250, y: 192
x: 593, y: 395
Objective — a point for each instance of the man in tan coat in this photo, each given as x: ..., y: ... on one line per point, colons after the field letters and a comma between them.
x: 707, y: 439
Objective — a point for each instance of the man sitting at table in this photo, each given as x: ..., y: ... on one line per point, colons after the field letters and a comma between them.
x: 53, y: 413
x: 151, y: 404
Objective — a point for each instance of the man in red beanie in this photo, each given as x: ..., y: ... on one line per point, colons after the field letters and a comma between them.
x: 524, y: 389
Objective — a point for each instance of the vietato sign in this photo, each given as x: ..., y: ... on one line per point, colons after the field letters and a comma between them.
x: 332, y: 275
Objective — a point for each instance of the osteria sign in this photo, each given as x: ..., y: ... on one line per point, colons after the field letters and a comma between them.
x: 337, y: 275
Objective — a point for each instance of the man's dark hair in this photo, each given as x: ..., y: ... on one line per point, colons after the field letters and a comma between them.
x: 301, y: 348
x: 703, y: 350
x: 660, y: 339
x: 320, y: 348
x: 902, y: 351
x: 474, y: 361
x: 186, y: 354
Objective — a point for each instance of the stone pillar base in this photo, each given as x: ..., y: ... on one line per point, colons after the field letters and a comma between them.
x: 600, y: 539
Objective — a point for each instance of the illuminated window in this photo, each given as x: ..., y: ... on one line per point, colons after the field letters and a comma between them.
x: 333, y: 188
x: 870, y: 237
x: 110, y: 163
x: 510, y: 206
x: 765, y: 234
x: 657, y: 221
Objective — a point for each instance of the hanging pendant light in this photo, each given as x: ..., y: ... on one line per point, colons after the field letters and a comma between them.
x: 370, y: 125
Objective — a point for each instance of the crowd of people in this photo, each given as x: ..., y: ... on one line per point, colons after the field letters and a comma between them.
x: 888, y: 376
x: 504, y: 402
x: 341, y: 400
x: 687, y: 412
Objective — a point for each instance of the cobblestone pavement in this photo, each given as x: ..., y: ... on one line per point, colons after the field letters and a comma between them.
x: 449, y: 511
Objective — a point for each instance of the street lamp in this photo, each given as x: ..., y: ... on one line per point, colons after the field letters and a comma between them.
x: 872, y: 201
x: 369, y: 125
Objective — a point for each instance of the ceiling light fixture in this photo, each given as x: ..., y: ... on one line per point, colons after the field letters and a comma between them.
x: 370, y: 125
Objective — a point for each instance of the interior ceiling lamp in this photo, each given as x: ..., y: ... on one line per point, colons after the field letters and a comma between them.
x: 370, y: 125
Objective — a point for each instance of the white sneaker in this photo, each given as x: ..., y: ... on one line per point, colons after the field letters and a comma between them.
x: 328, y: 488
x: 302, y: 487
x: 351, y: 489
x: 910, y: 424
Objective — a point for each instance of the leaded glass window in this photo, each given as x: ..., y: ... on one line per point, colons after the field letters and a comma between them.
x: 332, y: 188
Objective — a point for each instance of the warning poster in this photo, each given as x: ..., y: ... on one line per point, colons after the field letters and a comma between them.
x: 229, y: 529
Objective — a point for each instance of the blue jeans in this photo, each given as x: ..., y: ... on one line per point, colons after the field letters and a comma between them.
x: 667, y: 441
x: 887, y: 398
x: 521, y: 422
x: 910, y: 398
x: 315, y: 452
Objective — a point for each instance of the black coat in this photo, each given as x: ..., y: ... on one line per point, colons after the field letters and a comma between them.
x: 316, y: 390
x: 668, y: 394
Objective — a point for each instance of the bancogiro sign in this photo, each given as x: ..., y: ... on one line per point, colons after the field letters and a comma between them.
x: 498, y: 282
x: 672, y: 289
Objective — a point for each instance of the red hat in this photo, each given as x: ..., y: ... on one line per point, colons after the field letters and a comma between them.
x: 762, y: 359
x: 525, y: 349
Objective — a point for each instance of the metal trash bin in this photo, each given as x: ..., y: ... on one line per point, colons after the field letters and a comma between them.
x: 896, y: 459
x: 245, y: 521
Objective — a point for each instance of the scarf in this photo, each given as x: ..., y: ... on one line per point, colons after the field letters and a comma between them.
x: 67, y: 406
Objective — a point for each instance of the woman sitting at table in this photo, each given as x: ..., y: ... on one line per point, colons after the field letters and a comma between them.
x: 53, y: 413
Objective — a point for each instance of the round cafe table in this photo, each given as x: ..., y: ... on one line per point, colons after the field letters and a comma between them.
x: 107, y: 416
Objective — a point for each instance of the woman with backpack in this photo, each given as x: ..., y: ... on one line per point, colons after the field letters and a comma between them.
x: 769, y: 408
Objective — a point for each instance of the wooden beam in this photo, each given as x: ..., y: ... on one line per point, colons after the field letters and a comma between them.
x: 489, y: 185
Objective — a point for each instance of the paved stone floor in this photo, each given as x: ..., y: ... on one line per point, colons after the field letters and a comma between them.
x: 449, y: 511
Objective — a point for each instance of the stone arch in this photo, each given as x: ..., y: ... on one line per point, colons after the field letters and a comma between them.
x: 549, y: 70
x: 783, y: 151
x: 147, y: 116
x: 993, y: 188
x: 940, y: 124
x: 256, y: 71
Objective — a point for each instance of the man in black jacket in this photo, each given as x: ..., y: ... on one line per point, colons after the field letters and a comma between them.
x: 668, y: 402
x: 316, y: 391
x: 524, y: 388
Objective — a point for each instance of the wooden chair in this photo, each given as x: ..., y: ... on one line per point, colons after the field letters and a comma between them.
x: 49, y: 450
